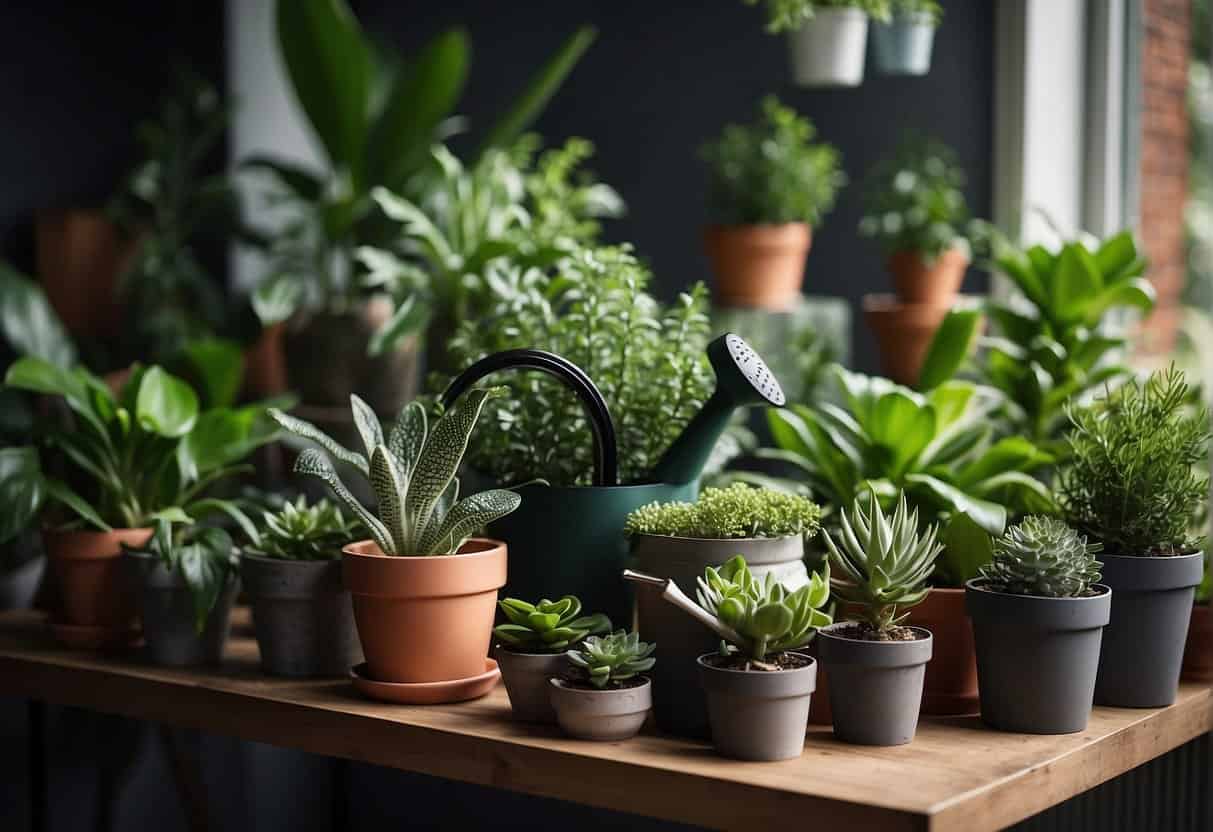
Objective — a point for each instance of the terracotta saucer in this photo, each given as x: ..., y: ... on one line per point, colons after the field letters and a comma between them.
x: 427, y: 693
x: 93, y: 637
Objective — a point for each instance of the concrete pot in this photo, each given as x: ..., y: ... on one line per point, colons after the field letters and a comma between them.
x: 302, y: 616
x: 758, y: 266
x: 1057, y: 638
x: 526, y: 677
x: 1198, y: 651
x: 605, y: 715
x: 950, y: 685
x: 757, y: 714
x: 679, y: 704
x: 904, y: 332
x: 1143, y: 644
x: 903, y: 45
x: 875, y: 686
x: 167, y: 608
x: 829, y: 50
x: 19, y: 586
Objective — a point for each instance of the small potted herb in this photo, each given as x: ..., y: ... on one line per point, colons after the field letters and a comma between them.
x: 758, y: 686
x: 1132, y: 485
x: 1038, y: 617
x: 291, y: 571
x: 769, y: 184
x: 902, y: 44
x: 531, y: 648
x: 603, y: 697
x: 827, y: 38
x: 876, y: 664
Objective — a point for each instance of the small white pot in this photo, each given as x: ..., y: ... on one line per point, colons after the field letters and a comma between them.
x: 830, y: 49
x: 601, y: 714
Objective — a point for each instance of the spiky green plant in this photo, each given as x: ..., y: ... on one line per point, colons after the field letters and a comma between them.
x: 412, y: 473
x: 547, y: 627
x: 1042, y: 556
x: 738, y: 511
x: 612, y: 658
x: 766, y: 616
x: 884, y: 562
x: 299, y: 531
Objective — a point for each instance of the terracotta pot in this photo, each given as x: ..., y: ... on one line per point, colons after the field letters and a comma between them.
x: 79, y: 257
x: 87, y: 567
x: 950, y: 686
x: 903, y: 333
x: 758, y: 265
x: 1198, y: 649
x: 425, y: 619
x: 936, y: 282
x: 265, y: 364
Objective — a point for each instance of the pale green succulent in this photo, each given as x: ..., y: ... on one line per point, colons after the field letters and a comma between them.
x: 547, y: 627
x: 412, y: 473
x: 734, y: 512
x: 766, y: 617
x: 883, y: 562
x: 1042, y: 556
x: 612, y: 658
x: 302, y: 532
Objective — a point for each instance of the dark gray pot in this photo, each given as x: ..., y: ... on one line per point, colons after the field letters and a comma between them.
x: 875, y: 686
x: 1036, y: 658
x: 527, y: 677
x: 758, y: 715
x: 678, y: 703
x: 1143, y: 644
x: 19, y: 586
x: 903, y: 45
x: 167, y: 609
x: 302, y: 615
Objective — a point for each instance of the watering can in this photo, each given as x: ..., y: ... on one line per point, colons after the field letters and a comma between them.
x: 569, y: 540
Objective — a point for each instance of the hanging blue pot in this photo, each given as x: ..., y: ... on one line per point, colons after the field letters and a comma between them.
x: 903, y: 45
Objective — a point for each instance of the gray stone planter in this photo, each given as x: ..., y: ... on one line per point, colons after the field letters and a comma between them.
x: 678, y: 702
x: 167, y: 609
x: 756, y: 714
x: 1143, y: 644
x: 527, y: 677
x: 1037, y: 658
x: 875, y: 686
x: 302, y: 615
x: 903, y: 45
x: 603, y: 715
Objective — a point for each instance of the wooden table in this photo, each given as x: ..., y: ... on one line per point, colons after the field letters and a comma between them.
x: 956, y: 775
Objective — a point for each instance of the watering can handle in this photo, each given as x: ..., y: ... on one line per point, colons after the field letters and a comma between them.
x: 606, y: 461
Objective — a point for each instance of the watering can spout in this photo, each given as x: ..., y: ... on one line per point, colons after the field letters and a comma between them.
x: 742, y: 379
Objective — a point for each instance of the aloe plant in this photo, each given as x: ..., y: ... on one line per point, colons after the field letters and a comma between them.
x: 613, y: 658
x: 412, y: 474
x: 547, y: 627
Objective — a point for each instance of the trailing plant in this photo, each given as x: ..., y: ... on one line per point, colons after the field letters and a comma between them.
x: 883, y: 562
x: 412, y: 474
x: 928, y: 9
x: 548, y: 626
x: 203, y: 556
x: 609, y: 660
x: 1042, y: 556
x: 299, y: 531
x: 592, y: 308
x: 737, y: 511
x: 789, y: 15
x: 767, y: 618
x: 771, y: 170
x: 1133, y: 482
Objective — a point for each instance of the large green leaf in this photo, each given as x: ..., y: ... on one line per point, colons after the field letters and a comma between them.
x: 1076, y: 280
x: 219, y: 364
x: 952, y: 344
x: 966, y: 548
x: 21, y: 490
x: 990, y: 516
x: 1136, y: 293
x: 1020, y: 492
x: 206, y: 562
x: 40, y: 376
x: 902, y: 427
x: 165, y: 405
x: 411, y: 316
x: 1011, y: 453
x: 1117, y: 253
x: 60, y: 493
x: 217, y: 439
x: 307, y: 185
x: 29, y: 323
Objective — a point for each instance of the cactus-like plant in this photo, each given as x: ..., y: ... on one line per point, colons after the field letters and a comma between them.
x: 612, y: 658
x: 883, y: 562
x: 1042, y: 556
x: 299, y: 531
x: 734, y: 512
x: 412, y: 473
x: 766, y: 617
x: 547, y: 627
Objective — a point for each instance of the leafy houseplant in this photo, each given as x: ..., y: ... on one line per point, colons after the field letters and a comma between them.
x: 769, y: 183
x: 737, y: 511
x: 1038, y: 605
x: 828, y: 37
x: 902, y: 44
x: 603, y: 697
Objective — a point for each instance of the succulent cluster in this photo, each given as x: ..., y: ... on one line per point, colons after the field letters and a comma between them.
x: 299, y: 531
x: 738, y: 511
x: 767, y: 617
x: 612, y: 658
x: 547, y: 627
x: 1042, y: 556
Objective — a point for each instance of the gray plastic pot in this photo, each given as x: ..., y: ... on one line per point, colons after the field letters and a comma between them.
x: 678, y: 702
x: 1143, y: 644
x: 19, y: 586
x: 875, y: 686
x: 903, y: 45
x: 829, y: 50
x: 167, y: 609
x: 604, y: 715
x: 302, y: 615
x: 757, y: 714
x: 527, y: 677
x: 1037, y: 657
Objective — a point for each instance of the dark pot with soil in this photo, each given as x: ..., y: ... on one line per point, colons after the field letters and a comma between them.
x: 603, y: 696
x: 22, y: 566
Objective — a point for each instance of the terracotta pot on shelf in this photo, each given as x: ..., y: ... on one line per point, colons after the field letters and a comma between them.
x: 265, y: 364
x: 932, y: 282
x: 1198, y: 649
x: 758, y: 265
x: 950, y: 686
x: 97, y: 606
x: 80, y: 257
x: 903, y: 333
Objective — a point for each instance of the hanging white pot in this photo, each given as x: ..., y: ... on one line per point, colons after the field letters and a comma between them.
x: 903, y: 45
x: 829, y: 50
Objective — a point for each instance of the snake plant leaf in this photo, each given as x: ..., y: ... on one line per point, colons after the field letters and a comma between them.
x: 468, y: 515
x: 390, y: 487
x: 314, y: 463
x: 308, y: 431
x: 407, y: 436
x: 367, y: 423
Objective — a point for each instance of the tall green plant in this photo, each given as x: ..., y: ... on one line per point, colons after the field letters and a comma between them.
x: 789, y: 15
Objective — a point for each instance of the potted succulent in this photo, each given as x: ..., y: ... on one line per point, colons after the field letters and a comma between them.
x: 424, y: 590
x: 902, y: 44
x: 681, y: 539
x: 769, y: 185
x: 827, y: 38
x: 1131, y: 485
x: 531, y: 648
x: 877, y: 664
x: 603, y: 697
x: 1038, y: 616
x: 291, y: 571
x: 758, y: 686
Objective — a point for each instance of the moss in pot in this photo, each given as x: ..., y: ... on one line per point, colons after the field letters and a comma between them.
x: 603, y: 696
